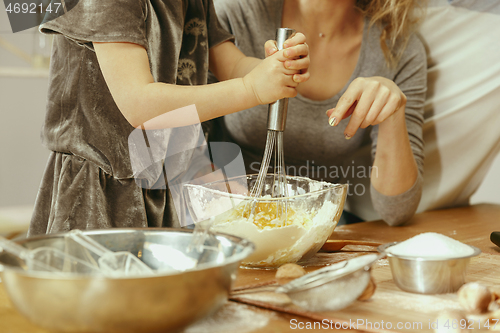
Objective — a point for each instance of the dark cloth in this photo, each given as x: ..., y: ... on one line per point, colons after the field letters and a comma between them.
x: 75, y: 194
x: 89, y: 181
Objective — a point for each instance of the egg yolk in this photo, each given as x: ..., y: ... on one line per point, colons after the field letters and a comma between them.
x: 266, y: 214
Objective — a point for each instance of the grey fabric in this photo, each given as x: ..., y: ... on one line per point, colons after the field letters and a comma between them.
x: 83, y: 124
x: 311, y: 145
x: 75, y: 194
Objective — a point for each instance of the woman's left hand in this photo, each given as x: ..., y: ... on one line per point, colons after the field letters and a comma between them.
x: 369, y: 101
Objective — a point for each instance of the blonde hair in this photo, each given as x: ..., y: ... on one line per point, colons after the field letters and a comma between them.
x: 397, y: 19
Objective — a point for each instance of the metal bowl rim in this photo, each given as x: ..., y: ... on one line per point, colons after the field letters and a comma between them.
x: 249, y: 247
x: 246, y: 197
x: 383, y: 247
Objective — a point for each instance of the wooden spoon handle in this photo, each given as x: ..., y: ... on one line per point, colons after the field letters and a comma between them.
x: 333, y: 245
x: 271, y: 287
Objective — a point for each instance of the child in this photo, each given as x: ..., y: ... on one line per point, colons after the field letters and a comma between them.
x: 117, y: 64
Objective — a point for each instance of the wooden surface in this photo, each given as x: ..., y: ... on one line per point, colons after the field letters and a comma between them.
x: 471, y: 225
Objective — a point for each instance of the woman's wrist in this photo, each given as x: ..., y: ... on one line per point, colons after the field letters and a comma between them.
x: 395, y: 122
x: 394, y: 160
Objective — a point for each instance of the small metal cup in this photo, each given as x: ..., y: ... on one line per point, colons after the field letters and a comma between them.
x: 425, y: 275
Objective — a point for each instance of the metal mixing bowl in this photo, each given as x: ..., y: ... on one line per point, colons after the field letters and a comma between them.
x: 425, y: 275
x: 319, y: 204
x: 160, y: 303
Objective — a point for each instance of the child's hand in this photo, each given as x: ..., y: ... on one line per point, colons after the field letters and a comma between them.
x: 270, y: 81
x: 297, y: 54
x: 278, y: 75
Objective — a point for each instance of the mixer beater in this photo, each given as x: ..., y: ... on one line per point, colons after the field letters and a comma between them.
x: 274, y: 144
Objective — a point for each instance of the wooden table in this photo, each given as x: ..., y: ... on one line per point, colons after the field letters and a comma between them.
x: 472, y: 225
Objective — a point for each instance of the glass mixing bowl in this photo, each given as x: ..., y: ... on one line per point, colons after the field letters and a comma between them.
x: 313, y: 209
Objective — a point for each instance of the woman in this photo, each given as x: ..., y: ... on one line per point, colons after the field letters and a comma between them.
x: 368, y: 72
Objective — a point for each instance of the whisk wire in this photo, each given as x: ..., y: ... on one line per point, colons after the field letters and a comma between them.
x: 274, y: 144
x: 279, y: 189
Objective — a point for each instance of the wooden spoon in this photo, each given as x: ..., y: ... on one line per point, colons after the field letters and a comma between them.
x: 333, y: 245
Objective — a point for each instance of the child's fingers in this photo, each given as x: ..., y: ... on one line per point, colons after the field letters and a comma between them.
x: 280, y: 56
x: 289, y: 92
x: 291, y: 71
x: 270, y: 47
x: 281, y: 67
x: 299, y: 78
x: 298, y: 64
x: 288, y: 81
x: 298, y: 51
x: 296, y: 39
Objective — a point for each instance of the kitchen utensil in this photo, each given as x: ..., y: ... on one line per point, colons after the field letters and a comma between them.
x: 329, y: 288
x: 200, y: 232
x: 495, y: 238
x: 274, y: 144
x: 332, y: 287
x: 46, y: 259
x: 333, y: 245
x: 198, y: 241
x: 314, y: 209
x: 425, y: 275
x: 159, y: 303
x: 112, y: 264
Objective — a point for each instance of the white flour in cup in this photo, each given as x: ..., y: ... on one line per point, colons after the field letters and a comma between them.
x: 431, y: 245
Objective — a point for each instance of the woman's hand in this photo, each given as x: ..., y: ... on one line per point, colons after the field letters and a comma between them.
x: 369, y: 101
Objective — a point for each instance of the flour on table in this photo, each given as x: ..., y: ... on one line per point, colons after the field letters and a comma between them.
x: 231, y: 318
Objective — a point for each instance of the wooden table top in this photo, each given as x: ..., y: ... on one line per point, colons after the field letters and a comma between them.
x: 472, y: 225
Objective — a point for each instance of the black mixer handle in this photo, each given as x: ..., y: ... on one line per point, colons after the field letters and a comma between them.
x: 495, y: 238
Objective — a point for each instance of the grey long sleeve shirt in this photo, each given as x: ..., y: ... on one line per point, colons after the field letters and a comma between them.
x: 312, y: 148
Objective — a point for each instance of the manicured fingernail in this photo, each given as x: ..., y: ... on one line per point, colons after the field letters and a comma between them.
x: 285, y: 45
x: 288, y: 64
x: 286, y: 53
x: 274, y: 49
x: 347, y: 136
x: 332, y: 121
